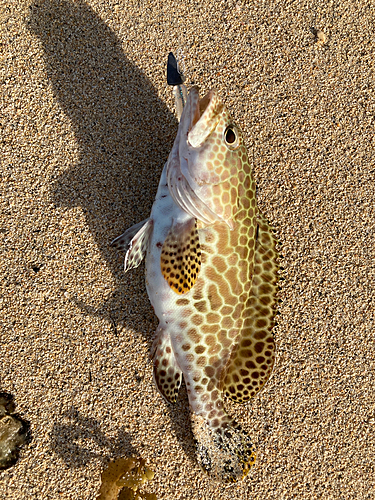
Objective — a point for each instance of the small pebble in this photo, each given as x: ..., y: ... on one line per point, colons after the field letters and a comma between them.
x: 321, y: 37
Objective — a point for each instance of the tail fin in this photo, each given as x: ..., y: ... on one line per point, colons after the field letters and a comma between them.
x: 225, y: 453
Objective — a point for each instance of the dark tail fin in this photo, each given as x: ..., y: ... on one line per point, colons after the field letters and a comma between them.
x: 225, y: 453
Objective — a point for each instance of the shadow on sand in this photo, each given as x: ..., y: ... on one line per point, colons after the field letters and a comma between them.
x: 123, y: 130
x: 77, y: 438
x: 124, y: 134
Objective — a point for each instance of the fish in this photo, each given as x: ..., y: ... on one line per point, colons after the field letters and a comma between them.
x: 211, y: 263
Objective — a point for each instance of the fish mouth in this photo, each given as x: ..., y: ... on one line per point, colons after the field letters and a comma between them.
x: 204, y: 116
x: 200, y: 105
x: 198, y: 120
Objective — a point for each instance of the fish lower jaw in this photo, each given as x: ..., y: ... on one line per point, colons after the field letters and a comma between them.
x: 226, y: 453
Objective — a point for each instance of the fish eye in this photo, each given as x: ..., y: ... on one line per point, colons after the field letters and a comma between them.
x: 231, y: 137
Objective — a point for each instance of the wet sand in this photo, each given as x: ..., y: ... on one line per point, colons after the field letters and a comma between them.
x: 88, y: 122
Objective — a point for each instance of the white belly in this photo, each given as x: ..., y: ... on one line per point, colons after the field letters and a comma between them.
x: 164, y: 212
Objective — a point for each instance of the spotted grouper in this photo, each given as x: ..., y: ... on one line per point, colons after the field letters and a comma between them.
x: 211, y: 276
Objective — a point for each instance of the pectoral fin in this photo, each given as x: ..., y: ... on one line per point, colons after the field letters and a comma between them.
x: 180, y: 259
x: 134, y: 241
x: 253, y: 357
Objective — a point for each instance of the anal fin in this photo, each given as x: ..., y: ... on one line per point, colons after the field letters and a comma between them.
x: 134, y: 241
x: 167, y: 375
x: 252, y: 359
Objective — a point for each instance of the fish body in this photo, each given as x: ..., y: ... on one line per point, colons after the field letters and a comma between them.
x: 211, y: 276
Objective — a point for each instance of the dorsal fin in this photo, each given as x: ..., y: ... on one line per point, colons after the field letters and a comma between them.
x: 253, y: 357
x: 180, y: 259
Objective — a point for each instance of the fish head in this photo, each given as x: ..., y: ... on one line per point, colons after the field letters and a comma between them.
x: 208, y: 162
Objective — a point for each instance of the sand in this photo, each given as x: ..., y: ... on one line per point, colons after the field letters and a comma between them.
x: 87, y: 124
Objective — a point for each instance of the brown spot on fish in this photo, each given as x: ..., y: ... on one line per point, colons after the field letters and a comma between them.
x: 182, y: 302
x: 214, y: 297
x: 259, y: 346
x: 194, y: 335
x: 202, y: 361
x: 210, y: 328
x: 200, y: 349
x: 201, y: 306
x: 213, y: 318
x: 197, y: 319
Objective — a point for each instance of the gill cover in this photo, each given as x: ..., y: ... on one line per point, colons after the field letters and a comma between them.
x: 203, y: 167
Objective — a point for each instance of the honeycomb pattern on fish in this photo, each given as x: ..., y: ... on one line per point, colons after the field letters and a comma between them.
x: 214, y: 315
x: 252, y: 362
x: 222, y: 331
x: 216, y: 331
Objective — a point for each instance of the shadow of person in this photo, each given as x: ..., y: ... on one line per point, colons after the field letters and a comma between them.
x: 78, y: 440
x: 124, y: 132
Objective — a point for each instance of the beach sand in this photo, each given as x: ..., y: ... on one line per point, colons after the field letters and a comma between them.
x: 88, y: 122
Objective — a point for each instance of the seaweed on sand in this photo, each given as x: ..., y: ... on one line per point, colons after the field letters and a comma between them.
x: 14, y: 432
x: 122, y: 478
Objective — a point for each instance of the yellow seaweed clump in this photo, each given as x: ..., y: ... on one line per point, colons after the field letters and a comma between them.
x: 122, y: 478
x: 14, y: 432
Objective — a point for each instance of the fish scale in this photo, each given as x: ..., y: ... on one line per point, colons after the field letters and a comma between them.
x: 211, y: 275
